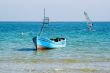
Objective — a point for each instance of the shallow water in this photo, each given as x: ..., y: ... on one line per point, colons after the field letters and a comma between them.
x: 83, y: 46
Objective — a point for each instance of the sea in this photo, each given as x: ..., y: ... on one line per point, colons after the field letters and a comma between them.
x: 85, y: 52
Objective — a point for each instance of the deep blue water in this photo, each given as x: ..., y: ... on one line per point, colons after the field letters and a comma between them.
x: 16, y: 40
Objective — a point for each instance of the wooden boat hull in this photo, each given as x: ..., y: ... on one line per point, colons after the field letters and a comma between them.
x: 44, y: 43
x: 38, y: 47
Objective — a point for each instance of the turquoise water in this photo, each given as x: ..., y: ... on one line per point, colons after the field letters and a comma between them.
x: 82, y: 45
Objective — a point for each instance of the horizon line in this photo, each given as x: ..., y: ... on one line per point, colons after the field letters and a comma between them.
x: 53, y: 21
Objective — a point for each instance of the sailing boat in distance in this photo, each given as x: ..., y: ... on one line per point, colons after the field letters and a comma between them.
x: 43, y: 43
x: 89, y: 22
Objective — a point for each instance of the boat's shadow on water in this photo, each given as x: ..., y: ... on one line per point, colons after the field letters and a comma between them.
x: 32, y: 49
x: 26, y: 49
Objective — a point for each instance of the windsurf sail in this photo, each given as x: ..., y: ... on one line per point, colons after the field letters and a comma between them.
x: 89, y: 22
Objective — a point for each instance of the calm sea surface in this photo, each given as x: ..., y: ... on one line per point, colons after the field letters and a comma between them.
x: 82, y: 45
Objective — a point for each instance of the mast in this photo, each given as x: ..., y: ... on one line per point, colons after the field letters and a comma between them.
x: 44, y: 13
x: 89, y: 22
x: 45, y: 21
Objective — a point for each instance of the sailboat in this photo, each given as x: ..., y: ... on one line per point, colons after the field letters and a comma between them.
x: 89, y: 22
x: 43, y: 43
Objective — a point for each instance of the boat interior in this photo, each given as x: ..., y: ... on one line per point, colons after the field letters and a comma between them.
x: 57, y: 39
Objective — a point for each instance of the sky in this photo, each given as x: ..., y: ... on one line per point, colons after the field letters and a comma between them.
x: 56, y: 10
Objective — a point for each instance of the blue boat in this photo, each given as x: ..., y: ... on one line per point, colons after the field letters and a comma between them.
x: 43, y: 43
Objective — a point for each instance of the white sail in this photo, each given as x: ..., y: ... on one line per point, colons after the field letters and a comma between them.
x: 89, y: 22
